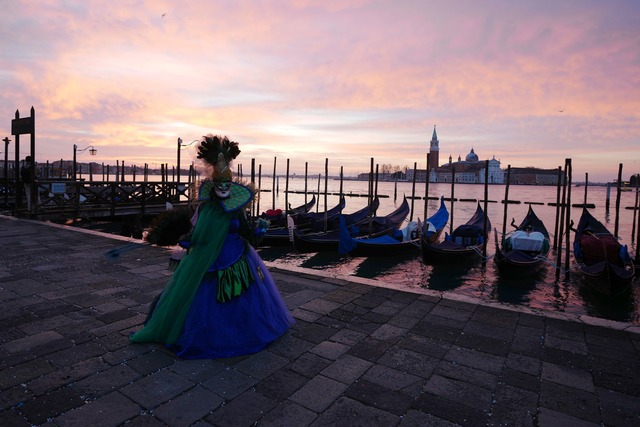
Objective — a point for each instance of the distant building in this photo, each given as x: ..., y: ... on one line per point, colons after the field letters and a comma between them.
x: 471, y: 170
x: 533, y: 176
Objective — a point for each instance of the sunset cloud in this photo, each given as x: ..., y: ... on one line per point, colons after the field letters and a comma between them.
x: 529, y: 82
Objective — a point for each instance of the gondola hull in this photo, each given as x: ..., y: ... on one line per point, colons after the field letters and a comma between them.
x: 466, y: 244
x: 604, y: 262
x: 530, y: 255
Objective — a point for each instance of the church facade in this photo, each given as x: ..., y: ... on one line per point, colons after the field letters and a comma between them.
x: 471, y: 170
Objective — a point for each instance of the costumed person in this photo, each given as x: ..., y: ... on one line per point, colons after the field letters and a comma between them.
x: 221, y: 300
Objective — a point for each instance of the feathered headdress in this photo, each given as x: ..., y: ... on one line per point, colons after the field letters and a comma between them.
x: 218, y: 152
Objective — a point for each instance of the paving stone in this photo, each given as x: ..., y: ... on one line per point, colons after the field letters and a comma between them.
x: 522, y: 363
x: 197, y: 370
x: 409, y: 361
x: 314, y: 333
x: 348, y: 337
x: 521, y: 380
x: 418, y: 418
x: 459, y: 391
x: 318, y: 393
x: 24, y: 372
x: 330, y: 350
x: 30, y: 341
x: 565, y: 358
x: 75, y: 354
x: 321, y: 306
x: 619, y: 409
x: 281, y: 384
x: 579, y: 347
x: 110, y: 410
x: 290, y: 347
x: 475, y: 359
x: 450, y: 410
x: 67, y: 375
x: 483, y: 344
x: 151, y: 362
x: 570, y: 401
x: 157, y: 388
x: 349, y: 412
x: 426, y: 345
x: 369, y: 349
x: 229, y: 383
x: 347, y: 369
x: 189, y: 407
x: 390, y: 378
x: 459, y: 372
x: 570, y: 377
x: 288, y: 414
x: 510, y: 416
x: 261, y: 365
x: 379, y: 397
x: 309, y: 364
x: 245, y: 410
x: 549, y: 417
x: 105, y: 381
x: 50, y: 405
x: 389, y: 333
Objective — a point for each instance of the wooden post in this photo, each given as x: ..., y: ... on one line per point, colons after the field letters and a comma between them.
x: 618, y: 193
x: 413, y: 190
x: 273, y: 186
x: 306, y: 172
x: 568, y: 219
x: 259, y: 188
x: 635, y: 211
x: 562, y: 223
x: 326, y: 183
x: 555, y: 231
x: 426, y: 191
x: 286, y: 192
x: 486, y: 214
x: 453, y: 178
x: 506, y: 203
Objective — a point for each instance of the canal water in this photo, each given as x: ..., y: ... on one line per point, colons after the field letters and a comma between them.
x: 481, y: 280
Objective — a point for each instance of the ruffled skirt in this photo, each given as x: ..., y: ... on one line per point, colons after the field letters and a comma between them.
x: 243, y: 325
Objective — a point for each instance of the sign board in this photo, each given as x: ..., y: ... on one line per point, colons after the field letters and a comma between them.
x: 22, y: 126
x: 58, y: 187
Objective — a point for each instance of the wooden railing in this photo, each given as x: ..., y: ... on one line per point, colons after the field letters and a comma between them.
x: 59, y: 198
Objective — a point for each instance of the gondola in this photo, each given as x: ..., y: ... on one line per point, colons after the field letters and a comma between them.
x: 400, y: 242
x: 278, y: 217
x: 329, y: 241
x: 464, y: 244
x: 524, y: 250
x: 281, y: 236
x: 601, y: 258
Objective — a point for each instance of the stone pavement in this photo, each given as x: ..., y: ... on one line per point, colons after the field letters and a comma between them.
x: 358, y: 355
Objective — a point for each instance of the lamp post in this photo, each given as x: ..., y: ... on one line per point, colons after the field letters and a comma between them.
x: 92, y: 151
x: 180, y: 146
x: 6, y: 169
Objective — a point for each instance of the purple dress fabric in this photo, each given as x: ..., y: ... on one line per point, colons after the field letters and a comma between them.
x: 244, y: 325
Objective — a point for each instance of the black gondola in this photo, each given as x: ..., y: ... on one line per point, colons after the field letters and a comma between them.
x: 465, y: 243
x: 524, y: 250
x: 601, y: 258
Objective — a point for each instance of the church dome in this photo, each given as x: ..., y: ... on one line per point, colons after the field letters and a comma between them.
x: 471, y: 157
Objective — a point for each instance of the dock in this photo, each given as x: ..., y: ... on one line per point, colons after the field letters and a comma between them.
x: 362, y: 352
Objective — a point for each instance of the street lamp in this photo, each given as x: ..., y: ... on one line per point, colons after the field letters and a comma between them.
x: 92, y: 151
x: 180, y: 146
x: 6, y: 168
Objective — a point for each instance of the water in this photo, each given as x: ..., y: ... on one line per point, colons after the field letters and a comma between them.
x: 542, y: 292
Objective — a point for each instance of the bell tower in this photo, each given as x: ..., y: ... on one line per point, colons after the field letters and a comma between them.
x: 434, y: 150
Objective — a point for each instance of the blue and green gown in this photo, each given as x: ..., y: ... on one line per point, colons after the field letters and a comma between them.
x: 221, y: 301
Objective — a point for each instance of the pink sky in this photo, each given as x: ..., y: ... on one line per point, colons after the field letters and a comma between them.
x: 344, y: 80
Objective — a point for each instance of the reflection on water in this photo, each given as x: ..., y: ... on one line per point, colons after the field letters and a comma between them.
x: 542, y: 291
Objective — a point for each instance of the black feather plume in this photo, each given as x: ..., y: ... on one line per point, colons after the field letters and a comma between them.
x: 212, y: 145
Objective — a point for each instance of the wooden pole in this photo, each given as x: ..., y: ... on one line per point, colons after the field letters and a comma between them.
x: 318, y: 204
x: 506, y: 202
x: 273, y: 185
x: 485, y: 228
x: 555, y: 231
x: 618, y: 193
x: 635, y: 211
x: 453, y: 179
x: 426, y: 191
x: 306, y: 172
x: 326, y: 183
x: 562, y: 224
x: 286, y: 192
x: 568, y: 226
x: 413, y: 190
x: 341, y: 181
x: 259, y: 187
